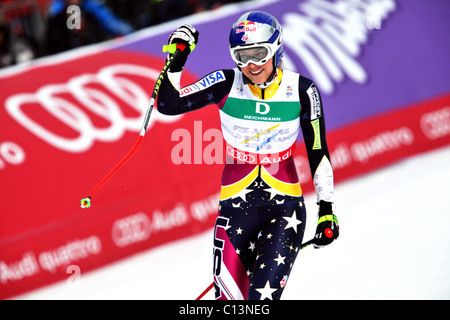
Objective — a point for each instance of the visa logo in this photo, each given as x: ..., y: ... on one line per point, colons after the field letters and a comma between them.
x: 211, y: 79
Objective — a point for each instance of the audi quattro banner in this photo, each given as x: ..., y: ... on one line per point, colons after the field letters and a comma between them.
x: 64, y: 126
x: 66, y: 120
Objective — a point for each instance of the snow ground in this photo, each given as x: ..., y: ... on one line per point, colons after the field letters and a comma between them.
x: 393, y: 244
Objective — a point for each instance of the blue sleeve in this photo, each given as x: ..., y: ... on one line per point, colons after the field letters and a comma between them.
x: 211, y: 89
x: 108, y: 20
x: 55, y: 7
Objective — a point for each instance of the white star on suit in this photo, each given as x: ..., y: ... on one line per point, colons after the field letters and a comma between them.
x: 242, y: 194
x: 266, y: 292
x: 273, y: 192
x: 293, y: 222
x: 280, y: 259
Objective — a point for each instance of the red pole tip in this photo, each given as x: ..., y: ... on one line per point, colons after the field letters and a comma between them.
x: 328, y: 233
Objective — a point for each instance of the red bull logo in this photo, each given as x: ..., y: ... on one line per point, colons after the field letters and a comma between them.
x: 246, y: 26
x: 246, y: 23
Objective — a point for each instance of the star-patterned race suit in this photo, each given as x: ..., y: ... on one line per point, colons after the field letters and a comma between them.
x: 261, y: 217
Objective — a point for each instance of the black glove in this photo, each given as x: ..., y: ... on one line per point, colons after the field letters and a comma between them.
x: 187, y: 36
x: 327, y: 227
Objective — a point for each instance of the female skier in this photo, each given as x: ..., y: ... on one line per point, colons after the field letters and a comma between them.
x: 261, y: 219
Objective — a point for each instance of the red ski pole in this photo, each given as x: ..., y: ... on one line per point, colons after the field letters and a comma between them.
x: 205, y: 292
x: 86, y: 202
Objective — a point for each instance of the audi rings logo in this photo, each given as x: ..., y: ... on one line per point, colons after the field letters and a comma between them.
x: 436, y: 124
x: 239, y: 155
x: 131, y: 229
x: 88, y: 107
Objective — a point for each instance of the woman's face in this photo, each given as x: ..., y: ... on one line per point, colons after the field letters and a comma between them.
x: 258, y: 74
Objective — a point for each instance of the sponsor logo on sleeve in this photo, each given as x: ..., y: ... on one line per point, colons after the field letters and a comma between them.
x: 314, y: 99
x: 210, y: 79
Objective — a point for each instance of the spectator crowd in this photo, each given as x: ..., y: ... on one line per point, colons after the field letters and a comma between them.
x: 35, y: 28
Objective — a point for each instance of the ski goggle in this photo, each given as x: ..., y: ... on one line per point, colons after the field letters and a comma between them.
x: 258, y: 54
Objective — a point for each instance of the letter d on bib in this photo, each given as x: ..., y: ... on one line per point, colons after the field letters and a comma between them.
x: 265, y: 106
